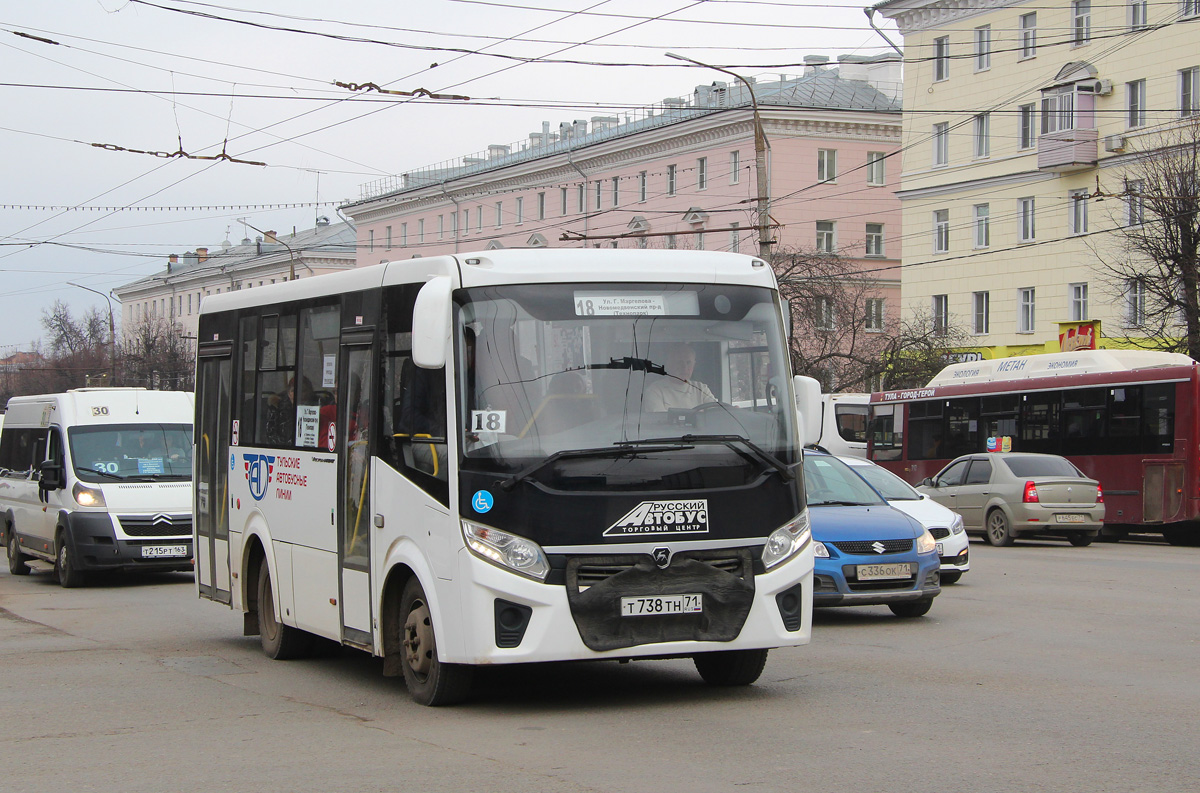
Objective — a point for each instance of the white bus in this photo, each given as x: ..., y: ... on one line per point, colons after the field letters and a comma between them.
x: 844, y: 424
x: 486, y: 459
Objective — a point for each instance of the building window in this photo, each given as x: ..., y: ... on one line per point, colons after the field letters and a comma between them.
x: 563, y: 195
x: 941, y: 314
x: 581, y: 198
x: 982, y: 135
x: 941, y: 58
x: 983, y: 225
x: 941, y: 230
x: 1137, y: 14
x: 599, y: 194
x: 1081, y: 22
x: 479, y: 219
x: 1058, y: 110
x: 1135, y: 302
x: 454, y: 223
x: 671, y: 243
x: 616, y: 191
x: 1078, y: 200
x: 1079, y: 301
x: 735, y: 167
x: 826, y: 236
x: 1026, y: 231
x: 1135, y: 203
x: 702, y: 173
x: 874, y: 244
x: 1028, y: 35
x: 875, y: 168
x: 826, y: 165
x: 441, y: 226
x: 499, y: 205
x: 941, y: 143
x: 874, y: 315
x: 735, y: 238
x: 981, y: 303
x: 1189, y: 81
x: 825, y: 318
x: 641, y: 186
x: 1026, y: 115
x: 541, y: 206
x: 1135, y: 103
x: 387, y: 237
x: 520, y: 210
x: 421, y: 230
x: 700, y: 240
x: 670, y: 180
x: 1189, y: 8
x: 371, y: 240
x: 983, y: 48
x: 1025, y: 309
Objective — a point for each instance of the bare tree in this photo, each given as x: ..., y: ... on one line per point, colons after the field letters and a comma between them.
x: 920, y: 347
x: 155, y: 355
x: 1154, y: 262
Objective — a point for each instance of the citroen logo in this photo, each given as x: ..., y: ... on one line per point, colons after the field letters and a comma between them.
x: 662, y: 557
x: 878, y: 547
x: 160, y: 519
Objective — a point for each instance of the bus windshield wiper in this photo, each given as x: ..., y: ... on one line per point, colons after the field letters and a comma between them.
x: 732, y: 441
x: 566, y: 454
x: 632, y: 364
x: 105, y: 474
x: 159, y: 477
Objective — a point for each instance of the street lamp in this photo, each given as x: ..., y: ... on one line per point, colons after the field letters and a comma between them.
x: 112, y: 333
x: 291, y: 253
x: 761, y: 147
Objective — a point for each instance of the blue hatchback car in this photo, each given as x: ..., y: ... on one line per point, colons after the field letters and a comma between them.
x: 867, y: 553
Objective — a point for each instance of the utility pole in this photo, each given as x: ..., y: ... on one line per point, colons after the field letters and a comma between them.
x: 112, y: 333
x: 761, y: 147
x: 291, y: 253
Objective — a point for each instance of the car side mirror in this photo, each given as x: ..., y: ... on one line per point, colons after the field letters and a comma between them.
x: 927, y: 482
x: 52, y: 476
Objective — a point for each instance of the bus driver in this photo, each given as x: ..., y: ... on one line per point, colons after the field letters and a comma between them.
x: 677, y: 389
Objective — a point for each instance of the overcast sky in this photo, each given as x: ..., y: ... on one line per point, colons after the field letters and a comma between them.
x: 207, y: 78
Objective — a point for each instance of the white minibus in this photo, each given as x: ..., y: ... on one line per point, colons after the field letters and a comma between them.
x: 97, y: 479
x: 844, y: 424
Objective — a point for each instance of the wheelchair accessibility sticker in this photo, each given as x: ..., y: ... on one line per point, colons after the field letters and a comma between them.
x: 482, y: 501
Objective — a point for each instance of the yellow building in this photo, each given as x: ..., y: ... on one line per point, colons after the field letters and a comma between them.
x: 1022, y: 120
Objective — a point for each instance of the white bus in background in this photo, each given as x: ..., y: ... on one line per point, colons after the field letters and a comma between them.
x: 449, y: 462
x: 97, y: 479
x: 844, y: 424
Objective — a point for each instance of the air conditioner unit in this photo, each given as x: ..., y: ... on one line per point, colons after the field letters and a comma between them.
x: 1114, y: 143
x: 1104, y: 87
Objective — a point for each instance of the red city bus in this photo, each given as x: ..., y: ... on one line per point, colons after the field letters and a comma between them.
x: 1127, y: 418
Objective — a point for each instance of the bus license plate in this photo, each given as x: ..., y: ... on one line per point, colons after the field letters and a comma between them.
x: 1070, y: 518
x: 660, y: 605
x: 159, y: 551
x: 884, y: 572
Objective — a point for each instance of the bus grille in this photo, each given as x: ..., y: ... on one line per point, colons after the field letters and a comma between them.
x: 156, y: 525
x: 865, y: 547
x: 590, y: 574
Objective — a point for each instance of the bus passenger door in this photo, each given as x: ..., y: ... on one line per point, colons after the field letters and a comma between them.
x: 355, y: 386
x: 1162, y: 490
x: 213, y: 399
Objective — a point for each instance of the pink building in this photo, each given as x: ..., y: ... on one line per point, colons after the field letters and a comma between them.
x: 680, y: 174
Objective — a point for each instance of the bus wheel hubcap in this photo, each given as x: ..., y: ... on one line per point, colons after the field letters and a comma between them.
x: 418, y: 639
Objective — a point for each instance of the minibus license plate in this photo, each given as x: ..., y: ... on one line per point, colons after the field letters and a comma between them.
x: 1069, y: 518
x: 659, y: 605
x: 884, y: 572
x: 157, y: 551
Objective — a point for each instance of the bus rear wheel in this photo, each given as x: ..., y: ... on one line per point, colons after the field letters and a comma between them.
x: 279, y: 641
x: 429, y: 681
x: 730, y: 667
x: 18, y: 563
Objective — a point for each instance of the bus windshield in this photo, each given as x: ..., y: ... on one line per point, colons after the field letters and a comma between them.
x: 139, y: 452
x: 625, y: 385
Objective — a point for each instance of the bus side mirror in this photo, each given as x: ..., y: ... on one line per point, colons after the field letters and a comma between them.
x: 431, y: 324
x: 808, y: 409
x: 52, y: 476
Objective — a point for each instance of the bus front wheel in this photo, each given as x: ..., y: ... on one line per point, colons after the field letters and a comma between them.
x: 730, y: 667
x: 429, y: 681
x: 279, y: 641
x: 69, y: 575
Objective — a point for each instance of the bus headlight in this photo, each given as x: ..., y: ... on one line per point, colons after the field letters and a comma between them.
x: 926, y: 543
x: 87, y: 496
x: 956, y: 526
x: 786, y: 541
x: 506, y: 550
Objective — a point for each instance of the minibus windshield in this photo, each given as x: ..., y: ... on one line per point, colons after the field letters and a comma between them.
x: 139, y: 452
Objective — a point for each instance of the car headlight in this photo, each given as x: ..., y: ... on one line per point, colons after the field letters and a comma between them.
x: 956, y: 525
x: 820, y: 550
x: 506, y: 550
x: 926, y: 543
x: 786, y: 541
x: 87, y: 496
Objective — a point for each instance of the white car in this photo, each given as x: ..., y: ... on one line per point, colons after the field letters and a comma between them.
x: 945, y: 526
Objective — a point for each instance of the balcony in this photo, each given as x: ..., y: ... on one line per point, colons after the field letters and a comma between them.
x: 1067, y: 150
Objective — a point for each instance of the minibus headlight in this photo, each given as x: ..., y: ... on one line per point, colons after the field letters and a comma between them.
x: 87, y: 496
x: 926, y: 543
x: 786, y: 541
x: 506, y: 550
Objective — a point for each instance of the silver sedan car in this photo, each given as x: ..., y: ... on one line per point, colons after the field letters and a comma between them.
x: 1006, y: 495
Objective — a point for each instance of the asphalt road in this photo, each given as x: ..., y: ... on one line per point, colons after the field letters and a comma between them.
x: 1048, y: 668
